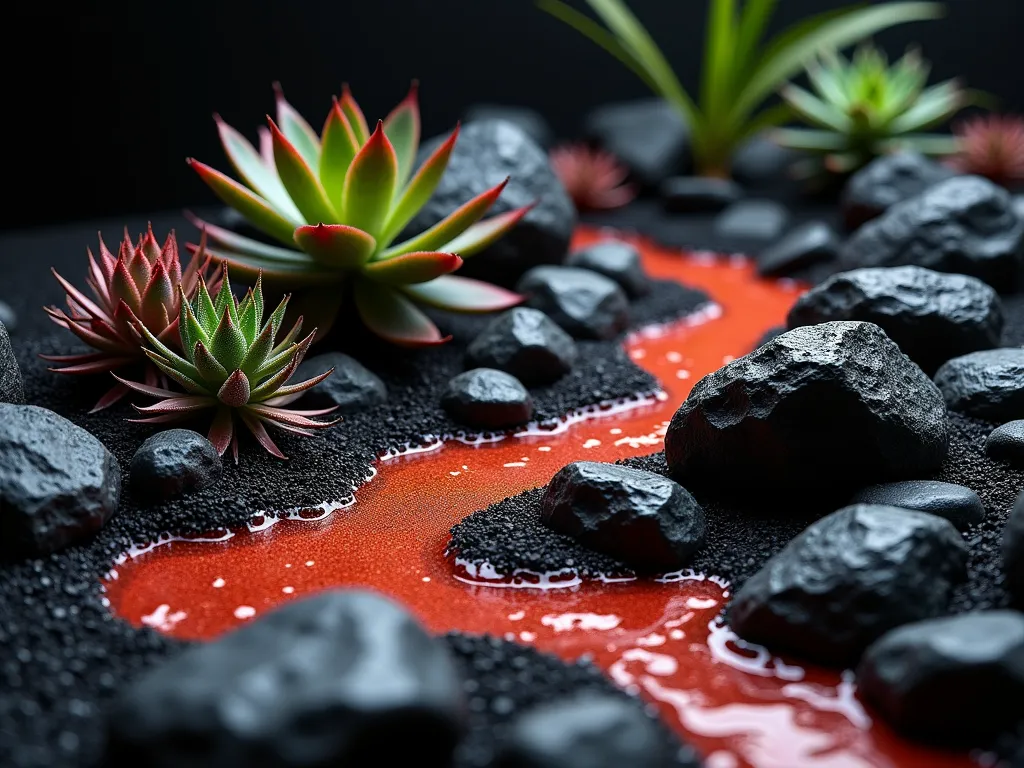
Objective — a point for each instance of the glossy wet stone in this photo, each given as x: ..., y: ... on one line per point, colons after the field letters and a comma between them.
x: 956, y: 679
x: 644, y: 519
x: 328, y: 680
x: 1013, y: 552
x: 648, y: 135
x: 760, y: 221
x: 530, y: 121
x: 1006, y: 443
x: 886, y: 181
x: 616, y: 260
x: 172, y: 463
x: 932, y: 316
x: 829, y: 407
x: 11, y: 387
x: 848, y: 579
x: 698, y: 194
x: 487, y: 399
x: 807, y: 244
x: 352, y: 386
x: 58, y: 483
x: 525, y: 343
x: 586, y: 304
x: 960, y: 505
x: 988, y: 385
x: 964, y: 225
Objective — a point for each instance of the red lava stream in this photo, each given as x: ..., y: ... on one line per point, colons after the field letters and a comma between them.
x: 742, y: 707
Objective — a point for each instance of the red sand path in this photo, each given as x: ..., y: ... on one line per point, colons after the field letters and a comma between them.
x: 741, y: 706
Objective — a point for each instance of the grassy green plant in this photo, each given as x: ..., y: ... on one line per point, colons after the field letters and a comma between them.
x: 741, y: 71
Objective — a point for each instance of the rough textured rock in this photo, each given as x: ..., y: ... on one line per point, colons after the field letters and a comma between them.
x: 808, y: 244
x: 11, y: 389
x: 585, y: 731
x: 961, y: 506
x: 172, y: 463
x: 584, y: 303
x: 988, y: 385
x: 1006, y: 443
x: 8, y: 317
x: 831, y: 407
x: 886, y: 181
x: 849, y: 578
x: 616, y: 260
x: 1013, y: 552
x: 486, y: 154
x: 351, y: 387
x: 932, y: 316
x: 488, y: 399
x: 530, y: 121
x: 756, y: 221
x: 58, y: 483
x: 525, y: 343
x: 648, y: 135
x: 330, y: 680
x: 950, y: 679
x: 964, y: 225
x: 698, y: 194
x: 643, y: 519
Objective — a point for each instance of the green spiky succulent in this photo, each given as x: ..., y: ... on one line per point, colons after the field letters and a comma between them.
x: 337, y: 201
x: 233, y: 364
x: 862, y: 107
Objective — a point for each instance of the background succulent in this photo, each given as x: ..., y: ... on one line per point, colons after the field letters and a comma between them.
x: 862, y: 107
x: 341, y: 198
x: 141, y: 283
x: 233, y: 364
x: 991, y: 146
x: 594, y: 179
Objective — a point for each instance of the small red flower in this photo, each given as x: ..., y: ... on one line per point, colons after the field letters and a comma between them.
x: 992, y: 146
x: 594, y: 179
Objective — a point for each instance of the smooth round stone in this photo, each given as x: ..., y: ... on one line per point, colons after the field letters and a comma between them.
x: 173, y: 463
x: 350, y: 387
x: 698, y: 194
x: 961, y: 506
x: 987, y: 385
x: 617, y: 260
x: 1006, y: 443
x: 488, y: 399
x: 525, y: 343
x: 760, y: 221
x: 808, y: 244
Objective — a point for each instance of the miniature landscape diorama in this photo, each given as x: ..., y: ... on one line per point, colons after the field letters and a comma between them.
x: 693, y: 439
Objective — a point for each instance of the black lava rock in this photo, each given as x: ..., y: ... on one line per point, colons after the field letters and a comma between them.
x: 830, y: 407
x: 964, y: 225
x: 1013, y: 552
x: 351, y: 387
x: 8, y: 317
x: 808, y: 244
x: 531, y: 122
x: 584, y: 303
x: 698, y: 194
x: 950, y: 679
x: 486, y: 154
x: 589, y: 730
x: 172, y: 463
x: 932, y: 316
x: 849, y: 578
x: 761, y: 162
x: 58, y: 483
x: 526, y: 343
x: 616, y: 260
x: 1006, y: 443
x: 649, y: 136
x: 488, y: 399
x: 961, y: 506
x: 643, y: 519
x: 988, y: 385
x: 761, y: 221
x: 329, y: 680
x: 11, y: 388
x: 886, y: 181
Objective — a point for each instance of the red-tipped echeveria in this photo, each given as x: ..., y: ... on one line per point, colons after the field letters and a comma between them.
x: 141, y: 283
x: 991, y: 146
x: 337, y: 201
x: 594, y: 179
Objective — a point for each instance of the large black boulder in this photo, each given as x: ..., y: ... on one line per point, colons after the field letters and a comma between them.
x: 932, y: 316
x: 58, y: 483
x: 964, y: 225
x: 172, y: 463
x: 988, y: 385
x: 829, y: 407
x: 351, y: 387
x: 644, y: 519
x: 960, y: 505
x: 586, y: 304
x: 648, y: 135
x: 886, y: 181
x: 486, y: 153
x: 525, y: 343
x: 1013, y: 552
x: 11, y: 388
x: 849, y: 578
x: 343, y: 678
x: 957, y: 679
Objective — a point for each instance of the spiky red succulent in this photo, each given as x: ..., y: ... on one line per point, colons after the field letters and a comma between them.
x: 142, y: 282
x: 992, y: 146
x: 594, y: 179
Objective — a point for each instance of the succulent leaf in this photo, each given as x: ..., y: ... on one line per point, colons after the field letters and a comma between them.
x: 258, y: 211
x: 234, y: 392
x: 339, y: 149
x: 207, y: 365
x: 463, y: 294
x: 370, y: 184
x: 393, y: 317
x: 354, y: 114
x: 419, y: 189
x: 254, y: 171
x: 228, y: 344
x: 402, y: 127
x: 300, y: 180
x: 298, y: 132
x: 336, y: 245
x: 485, y: 233
x: 412, y: 268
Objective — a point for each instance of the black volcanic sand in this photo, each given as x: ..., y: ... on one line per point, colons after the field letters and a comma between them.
x: 62, y: 654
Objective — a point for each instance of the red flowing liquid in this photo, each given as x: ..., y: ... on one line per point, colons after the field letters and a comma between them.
x: 741, y: 706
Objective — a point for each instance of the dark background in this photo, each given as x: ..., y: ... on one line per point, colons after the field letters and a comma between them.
x: 105, y: 102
